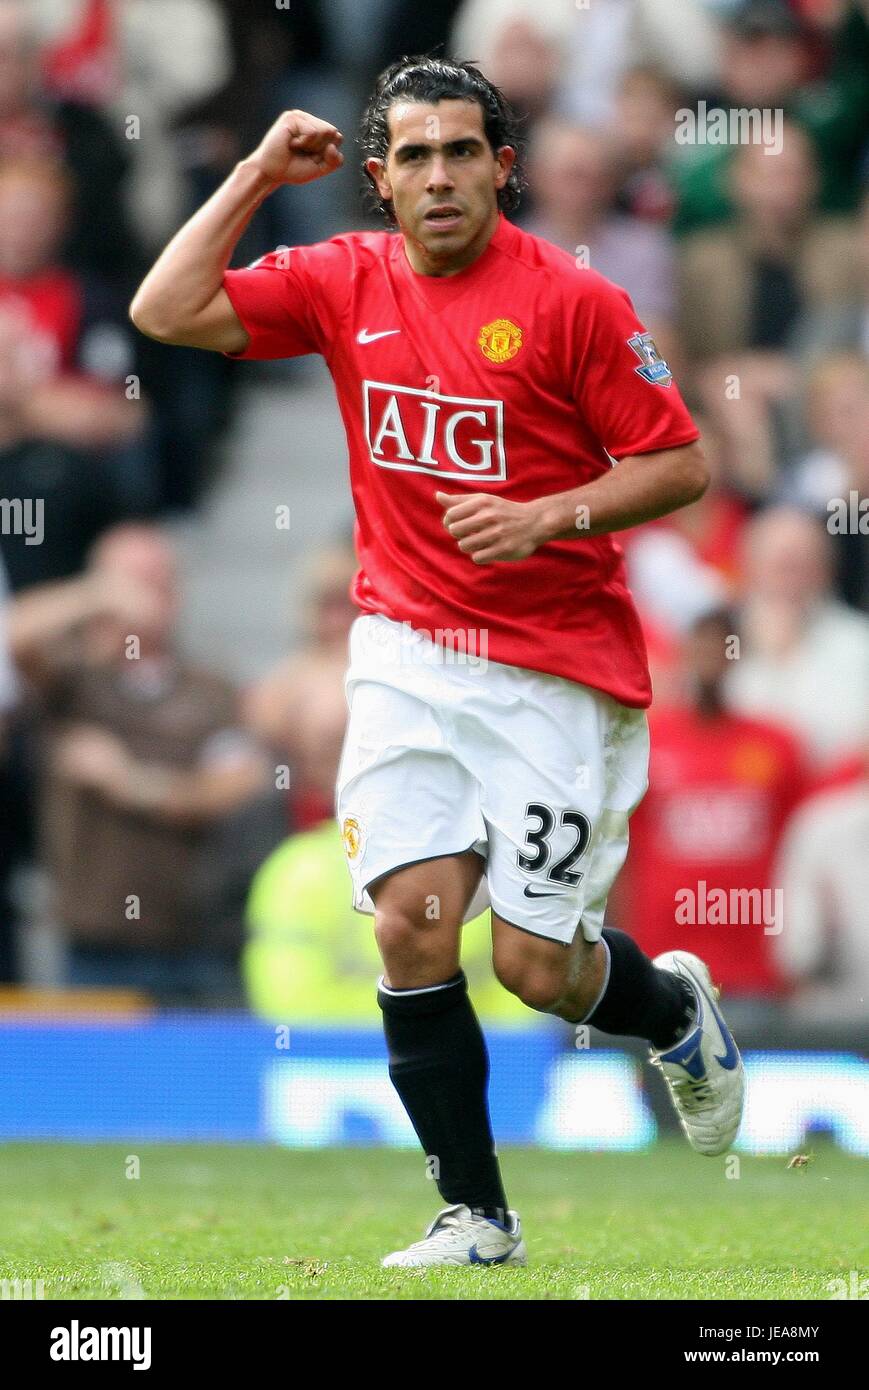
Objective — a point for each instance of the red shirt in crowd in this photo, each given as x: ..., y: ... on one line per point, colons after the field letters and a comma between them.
x: 720, y: 791
x: 48, y: 307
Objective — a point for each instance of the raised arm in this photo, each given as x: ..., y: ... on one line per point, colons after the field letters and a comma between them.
x: 182, y: 300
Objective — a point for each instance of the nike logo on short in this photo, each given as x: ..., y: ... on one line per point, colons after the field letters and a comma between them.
x: 363, y: 336
x: 530, y: 893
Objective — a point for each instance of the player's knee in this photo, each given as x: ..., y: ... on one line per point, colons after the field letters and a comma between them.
x: 538, y: 987
x: 406, y: 940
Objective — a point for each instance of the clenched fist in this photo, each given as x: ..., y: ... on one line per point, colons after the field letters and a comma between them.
x: 298, y: 149
x: 490, y: 528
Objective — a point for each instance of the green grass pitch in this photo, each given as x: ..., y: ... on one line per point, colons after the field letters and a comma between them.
x: 221, y: 1222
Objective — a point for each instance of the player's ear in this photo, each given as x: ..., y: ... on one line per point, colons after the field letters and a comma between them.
x: 505, y: 158
x: 376, y: 170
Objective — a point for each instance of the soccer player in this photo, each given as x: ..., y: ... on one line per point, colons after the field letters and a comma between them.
x: 505, y: 414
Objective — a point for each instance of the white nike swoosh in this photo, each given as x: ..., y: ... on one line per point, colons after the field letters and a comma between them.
x: 365, y: 337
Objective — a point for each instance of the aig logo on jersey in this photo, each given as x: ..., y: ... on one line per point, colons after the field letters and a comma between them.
x: 654, y: 368
x: 422, y: 432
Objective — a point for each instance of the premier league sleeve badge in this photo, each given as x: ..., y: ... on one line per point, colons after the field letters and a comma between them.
x: 654, y: 369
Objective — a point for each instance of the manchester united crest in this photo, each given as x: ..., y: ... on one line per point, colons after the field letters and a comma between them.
x: 351, y: 832
x: 500, y: 340
x: 754, y: 762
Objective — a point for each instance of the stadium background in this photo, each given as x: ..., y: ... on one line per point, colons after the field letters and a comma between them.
x: 178, y: 956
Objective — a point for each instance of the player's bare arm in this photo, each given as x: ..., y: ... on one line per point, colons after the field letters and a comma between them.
x: 182, y: 300
x: 639, y: 488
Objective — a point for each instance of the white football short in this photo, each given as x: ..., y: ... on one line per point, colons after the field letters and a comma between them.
x: 446, y: 751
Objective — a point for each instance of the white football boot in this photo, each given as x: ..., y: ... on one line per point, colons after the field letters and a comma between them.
x: 703, y: 1070
x: 458, y: 1237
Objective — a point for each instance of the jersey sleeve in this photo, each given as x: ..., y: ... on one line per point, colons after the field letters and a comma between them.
x: 289, y: 302
x: 620, y: 382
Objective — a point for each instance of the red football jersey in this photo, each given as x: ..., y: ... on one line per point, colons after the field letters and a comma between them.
x: 50, y: 307
x: 709, y: 826
x: 521, y: 375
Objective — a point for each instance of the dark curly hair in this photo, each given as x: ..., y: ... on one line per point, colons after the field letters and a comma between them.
x: 429, y: 79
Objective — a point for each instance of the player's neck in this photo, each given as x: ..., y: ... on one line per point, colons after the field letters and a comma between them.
x: 424, y: 263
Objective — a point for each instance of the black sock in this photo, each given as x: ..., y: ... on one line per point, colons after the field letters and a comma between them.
x: 439, y: 1066
x: 639, y: 1000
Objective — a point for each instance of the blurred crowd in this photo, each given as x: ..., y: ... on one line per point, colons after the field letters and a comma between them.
x: 182, y: 827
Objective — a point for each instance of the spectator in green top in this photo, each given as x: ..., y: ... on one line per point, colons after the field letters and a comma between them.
x: 765, y: 65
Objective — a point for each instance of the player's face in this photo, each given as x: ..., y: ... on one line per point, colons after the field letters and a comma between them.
x: 443, y: 179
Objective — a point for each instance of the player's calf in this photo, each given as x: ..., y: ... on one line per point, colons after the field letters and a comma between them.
x: 548, y: 976
x: 438, y: 1060
x: 538, y: 988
